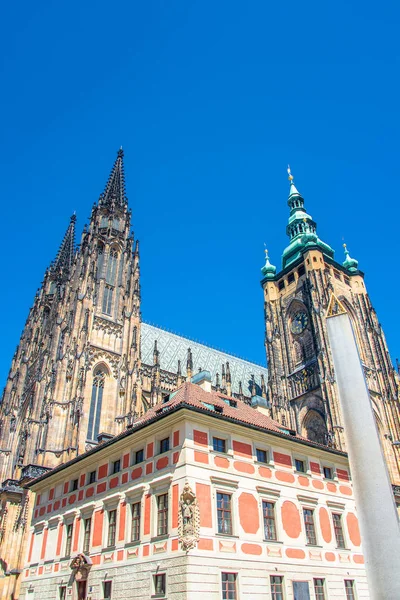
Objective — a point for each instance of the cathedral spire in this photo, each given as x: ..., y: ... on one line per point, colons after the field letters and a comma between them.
x: 62, y: 264
x: 301, y: 228
x: 351, y: 264
x: 114, y: 193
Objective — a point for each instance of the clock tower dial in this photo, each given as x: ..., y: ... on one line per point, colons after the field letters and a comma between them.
x: 299, y: 322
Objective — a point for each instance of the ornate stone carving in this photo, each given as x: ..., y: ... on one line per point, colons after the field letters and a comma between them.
x: 188, y: 519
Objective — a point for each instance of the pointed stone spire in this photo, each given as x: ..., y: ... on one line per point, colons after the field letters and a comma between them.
x: 114, y: 193
x: 351, y: 264
x: 253, y: 386
x: 217, y: 383
x: 189, y: 365
x: 61, y: 267
x: 241, y: 396
x: 179, y: 374
x: 301, y: 228
x: 223, y: 379
x: 156, y: 355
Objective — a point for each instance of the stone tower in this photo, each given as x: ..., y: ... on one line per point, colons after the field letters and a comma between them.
x: 76, y: 370
x: 302, y: 388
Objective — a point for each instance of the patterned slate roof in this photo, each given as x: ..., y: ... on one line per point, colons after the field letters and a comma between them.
x: 174, y: 347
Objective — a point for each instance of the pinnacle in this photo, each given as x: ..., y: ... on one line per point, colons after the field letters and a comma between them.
x: 114, y: 193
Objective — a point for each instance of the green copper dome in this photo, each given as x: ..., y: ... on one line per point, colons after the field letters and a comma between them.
x: 268, y: 270
x: 351, y: 264
x: 301, y: 229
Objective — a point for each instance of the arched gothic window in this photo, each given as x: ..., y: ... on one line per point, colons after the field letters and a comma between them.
x: 99, y: 379
x: 297, y: 353
x: 112, y: 267
x: 314, y: 427
x: 100, y: 260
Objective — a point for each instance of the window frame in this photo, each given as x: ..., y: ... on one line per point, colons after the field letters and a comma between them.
x: 273, y: 502
x: 135, y: 453
x: 165, y: 441
x: 162, y: 515
x: 116, y: 466
x: 91, y: 477
x: 267, y: 454
x: 298, y: 459
x: 226, y: 593
x: 311, y: 524
x: 281, y: 593
x: 229, y: 494
x: 138, y: 520
x: 74, y: 485
x: 69, y: 532
x: 107, y: 582
x: 339, y: 531
x: 86, y: 535
x: 352, y: 587
x: 317, y: 590
x: 220, y: 439
x: 163, y: 577
x: 332, y: 472
x: 111, y: 528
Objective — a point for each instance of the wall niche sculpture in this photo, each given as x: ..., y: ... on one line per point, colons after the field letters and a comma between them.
x: 188, y: 519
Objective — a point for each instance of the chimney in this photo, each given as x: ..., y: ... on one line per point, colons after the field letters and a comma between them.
x: 203, y: 380
x: 104, y: 437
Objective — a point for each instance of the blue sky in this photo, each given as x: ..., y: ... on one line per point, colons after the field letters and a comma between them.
x: 210, y: 101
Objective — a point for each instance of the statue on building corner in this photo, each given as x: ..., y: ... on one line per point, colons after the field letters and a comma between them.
x: 188, y: 519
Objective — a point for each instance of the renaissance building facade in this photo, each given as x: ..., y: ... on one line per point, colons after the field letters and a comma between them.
x: 87, y: 368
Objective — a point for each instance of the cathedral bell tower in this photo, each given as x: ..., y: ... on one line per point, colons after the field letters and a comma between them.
x: 302, y: 387
x: 76, y: 371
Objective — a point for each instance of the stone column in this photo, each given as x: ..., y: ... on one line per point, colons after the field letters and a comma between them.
x: 376, y: 509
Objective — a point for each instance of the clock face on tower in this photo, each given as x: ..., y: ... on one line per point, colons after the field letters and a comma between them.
x: 299, y: 322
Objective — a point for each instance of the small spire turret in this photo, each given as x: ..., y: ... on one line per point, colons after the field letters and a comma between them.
x: 61, y: 267
x: 268, y: 270
x: 351, y: 264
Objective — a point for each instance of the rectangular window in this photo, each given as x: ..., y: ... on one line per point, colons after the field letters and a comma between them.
x: 350, y: 589
x: 309, y: 526
x: 68, y: 541
x: 107, y: 587
x: 300, y: 465
x: 162, y: 514
x: 338, y: 527
x: 229, y: 590
x: 276, y: 587
x: 74, y: 485
x: 135, y: 531
x: 62, y: 592
x: 112, y: 526
x: 139, y: 457
x: 319, y: 588
x: 219, y: 445
x: 290, y: 278
x: 86, y: 536
x: 107, y: 299
x: 262, y: 455
x: 164, y: 445
x: 301, y: 270
x: 92, y: 477
x: 269, y: 520
x: 336, y: 274
x: 159, y: 584
x: 281, y: 285
x: 328, y: 473
x: 116, y: 467
x: 224, y: 513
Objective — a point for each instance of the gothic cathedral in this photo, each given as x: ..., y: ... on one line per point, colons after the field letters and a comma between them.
x: 301, y: 379
x: 87, y: 366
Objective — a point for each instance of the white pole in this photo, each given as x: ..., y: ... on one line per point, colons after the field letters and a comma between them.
x: 379, y: 523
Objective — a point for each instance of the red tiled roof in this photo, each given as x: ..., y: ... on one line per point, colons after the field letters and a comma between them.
x: 211, y: 403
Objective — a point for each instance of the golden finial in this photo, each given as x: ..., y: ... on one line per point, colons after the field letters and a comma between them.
x: 345, y: 247
x: 290, y: 174
x: 266, y: 251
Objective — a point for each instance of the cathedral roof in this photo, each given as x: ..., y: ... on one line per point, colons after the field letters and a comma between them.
x: 174, y: 347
